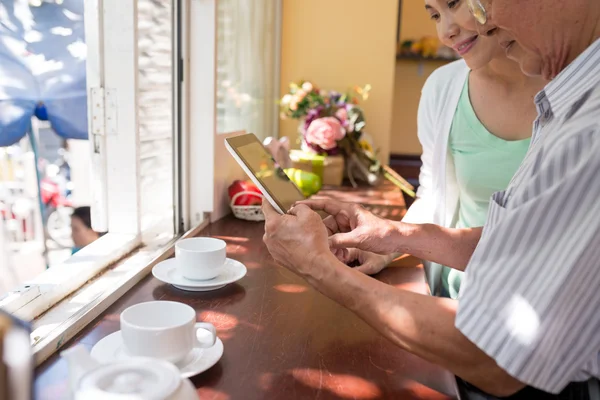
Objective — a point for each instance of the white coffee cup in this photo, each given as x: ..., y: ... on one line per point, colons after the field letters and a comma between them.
x: 166, y: 330
x: 201, y: 258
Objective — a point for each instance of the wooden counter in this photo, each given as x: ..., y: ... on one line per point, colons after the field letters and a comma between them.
x: 283, y: 340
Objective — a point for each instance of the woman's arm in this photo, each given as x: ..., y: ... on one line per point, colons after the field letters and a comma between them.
x: 446, y: 246
x: 421, y: 211
x: 351, y: 226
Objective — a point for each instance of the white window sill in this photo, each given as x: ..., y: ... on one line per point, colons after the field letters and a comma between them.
x: 54, y: 284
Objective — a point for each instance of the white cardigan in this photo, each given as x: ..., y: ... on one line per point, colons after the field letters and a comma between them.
x: 438, y: 189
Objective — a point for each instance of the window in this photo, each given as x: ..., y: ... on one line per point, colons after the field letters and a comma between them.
x: 152, y: 108
x: 133, y: 142
x: 240, y: 66
x: 248, y: 36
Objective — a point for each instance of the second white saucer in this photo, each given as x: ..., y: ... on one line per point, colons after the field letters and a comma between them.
x: 110, y: 349
x: 167, y: 272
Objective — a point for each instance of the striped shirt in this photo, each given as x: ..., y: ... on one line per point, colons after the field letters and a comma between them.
x: 531, y: 294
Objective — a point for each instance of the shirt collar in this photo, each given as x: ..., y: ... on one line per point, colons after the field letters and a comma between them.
x: 580, y: 75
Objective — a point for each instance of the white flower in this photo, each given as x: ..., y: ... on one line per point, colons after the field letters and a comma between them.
x: 286, y: 99
x: 307, y: 87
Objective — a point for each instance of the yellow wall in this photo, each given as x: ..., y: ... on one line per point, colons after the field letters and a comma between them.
x: 415, y: 20
x: 337, y: 44
x: 410, y: 77
x: 407, y: 92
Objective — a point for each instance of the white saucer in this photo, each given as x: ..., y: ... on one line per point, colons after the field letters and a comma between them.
x: 167, y: 272
x: 110, y: 349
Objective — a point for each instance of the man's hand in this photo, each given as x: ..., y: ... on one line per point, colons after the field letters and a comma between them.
x: 351, y: 226
x: 369, y: 263
x: 295, y: 239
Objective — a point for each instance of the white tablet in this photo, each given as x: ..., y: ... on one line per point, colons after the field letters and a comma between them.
x: 258, y: 163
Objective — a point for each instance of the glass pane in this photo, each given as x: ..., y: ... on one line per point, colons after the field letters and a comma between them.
x: 43, y: 124
x: 247, y: 78
x: 156, y: 79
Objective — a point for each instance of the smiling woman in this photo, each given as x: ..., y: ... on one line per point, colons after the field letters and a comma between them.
x: 457, y: 29
x: 470, y: 150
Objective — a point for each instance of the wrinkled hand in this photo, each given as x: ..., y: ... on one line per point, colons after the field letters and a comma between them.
x: 351, y: 226
x: 369, y: 263
x: 295, y: 239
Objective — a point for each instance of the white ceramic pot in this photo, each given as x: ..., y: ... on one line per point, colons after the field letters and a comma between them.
x: 134, y: 379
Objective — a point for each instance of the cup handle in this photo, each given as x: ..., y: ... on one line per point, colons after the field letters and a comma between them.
x: 207, y: 327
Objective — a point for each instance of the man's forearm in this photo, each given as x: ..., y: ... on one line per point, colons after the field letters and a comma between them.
x: 421, y: 324
x: 446, y: 246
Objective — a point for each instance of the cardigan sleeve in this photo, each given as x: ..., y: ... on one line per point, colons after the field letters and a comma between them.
x: 436, y: 111
x: 422, y: 210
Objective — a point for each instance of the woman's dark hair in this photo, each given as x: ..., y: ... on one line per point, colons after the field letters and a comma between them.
x: 83, y: 213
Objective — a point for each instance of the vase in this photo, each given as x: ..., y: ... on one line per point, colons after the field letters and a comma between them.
x: 357, y: 170
x: 329, y: 168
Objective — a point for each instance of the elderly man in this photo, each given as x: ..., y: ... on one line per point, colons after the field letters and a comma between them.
x: 527, y: 322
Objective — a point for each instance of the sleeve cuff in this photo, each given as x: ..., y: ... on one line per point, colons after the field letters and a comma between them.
x: 508, y: 343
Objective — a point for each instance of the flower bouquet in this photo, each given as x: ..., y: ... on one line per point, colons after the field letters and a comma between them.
x: 332, y: 123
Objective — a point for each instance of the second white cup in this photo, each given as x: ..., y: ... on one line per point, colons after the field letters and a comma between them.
x: 166, y: 330
x: 201, y: 258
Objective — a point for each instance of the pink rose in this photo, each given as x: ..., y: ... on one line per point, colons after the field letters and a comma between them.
x: 325, y: 132
x: 342, y: 115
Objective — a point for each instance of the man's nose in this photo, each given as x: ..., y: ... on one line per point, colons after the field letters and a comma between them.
x: 482, y: 12
x: 487, y: 29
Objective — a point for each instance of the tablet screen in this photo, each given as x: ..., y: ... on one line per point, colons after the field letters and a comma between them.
x: 270, y: 175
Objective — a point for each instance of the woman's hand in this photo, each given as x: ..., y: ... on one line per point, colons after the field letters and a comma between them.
x: 351, y: 226
x: 368, y: 263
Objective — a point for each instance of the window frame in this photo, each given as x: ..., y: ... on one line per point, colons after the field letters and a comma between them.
x: 116, y: 81
x: 202, y: 122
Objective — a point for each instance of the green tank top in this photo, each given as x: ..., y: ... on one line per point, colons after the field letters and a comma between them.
x: 484, y: 164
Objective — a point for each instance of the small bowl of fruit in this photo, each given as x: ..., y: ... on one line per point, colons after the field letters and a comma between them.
x: 246, y: 200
